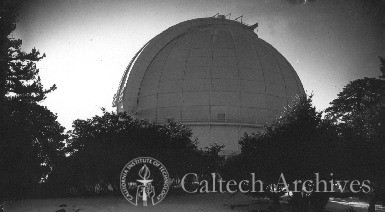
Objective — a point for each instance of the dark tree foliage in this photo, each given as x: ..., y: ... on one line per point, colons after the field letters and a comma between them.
x: 359, y: 113
x: 382, y: 67
x: 22, y: 81
x: 212, y: 158
x: 298, y: 144
x: 31, y: 137
x: 32, y: 144
x: 101, y: 146
x: 8, y: 14
x: 358, y: 107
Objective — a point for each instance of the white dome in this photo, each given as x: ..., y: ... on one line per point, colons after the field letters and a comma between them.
x: 214, y: 75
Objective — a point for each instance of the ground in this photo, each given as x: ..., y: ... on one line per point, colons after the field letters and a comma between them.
x: 195, y: 202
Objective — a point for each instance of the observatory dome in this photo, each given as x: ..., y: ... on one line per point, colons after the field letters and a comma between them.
x: 212, y: 74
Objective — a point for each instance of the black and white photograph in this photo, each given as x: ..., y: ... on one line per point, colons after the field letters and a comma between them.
x: 177, y: 105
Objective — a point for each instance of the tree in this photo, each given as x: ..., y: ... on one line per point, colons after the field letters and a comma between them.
x: 8, y: 16
x: 32, y: 144
x: 102, y: 145
x: 22, y: 80
x: 299, y: 144
x: 382, y: 67
x: 358, y: 107
x: 31, y: 137
x: 359, y: 113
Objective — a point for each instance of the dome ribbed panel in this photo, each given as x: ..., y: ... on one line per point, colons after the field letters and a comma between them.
x: 210, y: 71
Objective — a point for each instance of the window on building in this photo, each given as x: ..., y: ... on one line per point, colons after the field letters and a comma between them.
x: 221, y: 117
x: 169, y: 119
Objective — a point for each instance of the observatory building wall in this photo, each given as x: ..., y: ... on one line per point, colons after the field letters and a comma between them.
x: 214, y: 75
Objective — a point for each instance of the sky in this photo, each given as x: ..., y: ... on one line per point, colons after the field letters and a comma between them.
x: 90, y: 43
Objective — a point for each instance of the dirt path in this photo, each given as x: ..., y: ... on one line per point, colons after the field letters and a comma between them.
x: 197, y: 202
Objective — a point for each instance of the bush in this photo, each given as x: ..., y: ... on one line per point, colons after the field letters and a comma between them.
x: 101, y: 146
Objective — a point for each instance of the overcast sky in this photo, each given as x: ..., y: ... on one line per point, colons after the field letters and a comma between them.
x: 89, y: 43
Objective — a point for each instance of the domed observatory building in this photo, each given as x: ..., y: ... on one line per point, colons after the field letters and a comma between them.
x: 212, y: 74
